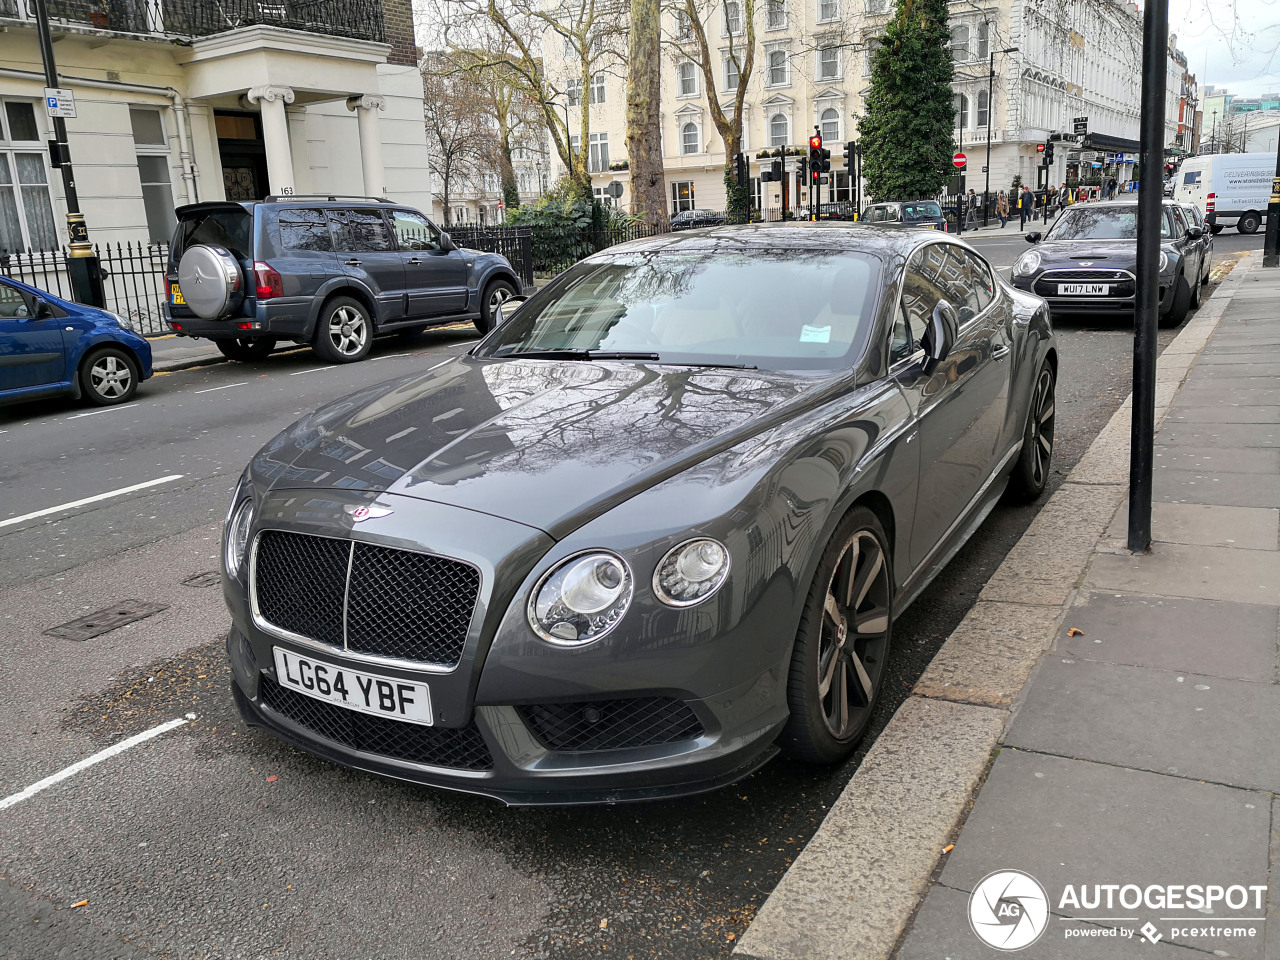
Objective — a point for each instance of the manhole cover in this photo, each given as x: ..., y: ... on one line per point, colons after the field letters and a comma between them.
x: 106, y: 620
x: 210, y: 578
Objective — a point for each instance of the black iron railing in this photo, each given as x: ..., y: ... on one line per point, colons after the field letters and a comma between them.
x: 133, y: 279
x: 357, y: 19
x: 544, y: 251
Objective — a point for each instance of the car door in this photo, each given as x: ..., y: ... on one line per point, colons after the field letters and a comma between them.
x: 32, y: 351
x: 368, y: 254
x: 436, y: 280
x: 961, y: 404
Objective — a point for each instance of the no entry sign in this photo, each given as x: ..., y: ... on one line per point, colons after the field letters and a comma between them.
x: 959, y: 160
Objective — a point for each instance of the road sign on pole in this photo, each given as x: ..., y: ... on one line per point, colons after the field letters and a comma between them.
x: 60, y: 102
x: 1081, y: 126
x: 958, y: 161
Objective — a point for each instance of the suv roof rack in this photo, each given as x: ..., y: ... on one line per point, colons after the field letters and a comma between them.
x: 272, y: 198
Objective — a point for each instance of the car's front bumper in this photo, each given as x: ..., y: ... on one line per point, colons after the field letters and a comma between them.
x: 1117, y: 305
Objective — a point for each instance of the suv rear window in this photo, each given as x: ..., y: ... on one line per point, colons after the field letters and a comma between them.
x: 230, y: 227
x: 927, y: 210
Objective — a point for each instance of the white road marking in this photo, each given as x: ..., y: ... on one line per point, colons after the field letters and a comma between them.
x: 92, y: 413
x: 225, y: 386
x: 298, y: 373
x: 98, y: 757
x: 94, y: 499
x: 395, y: 436
x: 392, y: 356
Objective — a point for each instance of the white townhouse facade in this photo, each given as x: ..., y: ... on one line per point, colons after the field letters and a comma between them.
x: 180, y: 101
x: 476, y: 198
x: 1024, y: 71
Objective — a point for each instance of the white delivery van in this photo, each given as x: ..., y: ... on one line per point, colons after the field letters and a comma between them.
x: 1231, y: 189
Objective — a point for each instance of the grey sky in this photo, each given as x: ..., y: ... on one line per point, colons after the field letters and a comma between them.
x: 1230, y: 43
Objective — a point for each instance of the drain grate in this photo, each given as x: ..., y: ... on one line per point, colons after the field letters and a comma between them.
x: 105, y: 620
x: 210, y: 578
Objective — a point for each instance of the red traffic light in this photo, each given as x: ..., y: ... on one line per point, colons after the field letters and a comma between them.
x: 1039, y: 148
x: 815, y: 142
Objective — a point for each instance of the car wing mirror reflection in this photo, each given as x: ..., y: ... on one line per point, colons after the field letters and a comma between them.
x: 507, y: 309
x: 1033, y: 236
x: 940, y: 336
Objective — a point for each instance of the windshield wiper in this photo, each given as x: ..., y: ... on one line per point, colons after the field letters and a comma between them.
x: 717, y: 366
x: 574, y: 355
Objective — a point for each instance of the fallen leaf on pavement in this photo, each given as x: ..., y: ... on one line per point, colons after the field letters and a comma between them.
x: 1075, y: 632
x: 272, y: 779
x: 82, y: 903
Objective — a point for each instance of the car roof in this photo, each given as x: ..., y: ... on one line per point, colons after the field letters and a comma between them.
x: 823, y: 235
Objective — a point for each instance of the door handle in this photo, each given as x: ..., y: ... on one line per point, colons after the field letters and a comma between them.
x: 415, y: 260
x: 353, y: 262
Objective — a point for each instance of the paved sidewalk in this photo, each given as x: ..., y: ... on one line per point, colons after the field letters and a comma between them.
x: 171, y: 352
x: 1143, y: 750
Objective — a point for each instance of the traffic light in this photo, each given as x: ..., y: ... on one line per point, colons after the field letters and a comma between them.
x: 1048, y: 154
x: 815, y: 151
x: 824, y: 160
x: 740, y: 168
x: 850, y: 151
x: 776, y: 168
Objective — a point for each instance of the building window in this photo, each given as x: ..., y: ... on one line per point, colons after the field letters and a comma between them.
x: 573, y: 92
x: 830, y: 121
x: 597, y: 87
x: 843, y: 186
x: 684, y: 26
x: 575, y: 145
x: 984, y: 40
x: 570, y: 50
x: 732, y: 18
x: 962, y: 111
x: 778, y: 130
x: 778, y: 72
x: 598, y: 158
x: 731, y: 73
x: 960, y: 43
x: 689, y: 138
x: 681, y: 195
x: 829, y: 63
x: 876, y: 7
x: 152, y: 148
x: 828, y: 10
x: 776, y: 15
x: 26, y: 213
x: 869, y: 54
x: 984, y: 108
x: 687, y: 74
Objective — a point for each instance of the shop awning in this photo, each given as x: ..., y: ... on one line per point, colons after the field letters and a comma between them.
x: 1106, y: 142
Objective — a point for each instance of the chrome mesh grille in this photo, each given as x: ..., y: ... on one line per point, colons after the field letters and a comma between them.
x: 458, y: 748
x: 366, y: 598
x: 611, y: 724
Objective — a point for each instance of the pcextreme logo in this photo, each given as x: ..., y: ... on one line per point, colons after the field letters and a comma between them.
x: 1009, y: 910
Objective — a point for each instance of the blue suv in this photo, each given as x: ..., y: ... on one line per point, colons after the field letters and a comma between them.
x: 50, y: 346
x: 324, y: 271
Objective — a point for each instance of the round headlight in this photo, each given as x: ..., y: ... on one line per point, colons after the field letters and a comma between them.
x: 1026, y: 264
x: 691, y: 572
x: 238, y: 524
x: 1164, y: 261
x: 582, y: 599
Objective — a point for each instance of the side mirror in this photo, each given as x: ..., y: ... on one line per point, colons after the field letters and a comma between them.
x: 446, y: 243
x: 1195, y: 233
x: 940, y: 336
x: 1033, y: 236
x: 507, y: 309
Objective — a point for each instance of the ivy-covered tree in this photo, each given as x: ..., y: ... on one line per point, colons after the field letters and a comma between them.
x: 907, y: 131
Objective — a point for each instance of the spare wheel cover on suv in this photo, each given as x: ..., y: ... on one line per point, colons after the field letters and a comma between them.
x: 211, y: 281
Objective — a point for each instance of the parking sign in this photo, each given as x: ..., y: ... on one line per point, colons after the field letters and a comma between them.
x: 60, y: 102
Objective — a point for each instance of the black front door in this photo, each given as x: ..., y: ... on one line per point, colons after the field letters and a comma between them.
x: 244, y: 156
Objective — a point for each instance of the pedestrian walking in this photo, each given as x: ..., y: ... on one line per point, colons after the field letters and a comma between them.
x: 971, y: 209
x: 1028, y: 204
x: 1002, y: 209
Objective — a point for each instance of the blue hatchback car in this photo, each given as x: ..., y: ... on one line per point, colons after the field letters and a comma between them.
x: 51, y: 346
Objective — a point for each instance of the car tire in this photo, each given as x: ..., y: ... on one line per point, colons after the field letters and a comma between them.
x: 1030, y: 473
x: 108, y: 376
x: 344, y: 331
x: 495, y: 292
x: 1179, y: 308
x: 1194, y: 303
x: 1249, y: 223
x: 246, y: 351
x: 831, y: 664
x: 1215, y: 229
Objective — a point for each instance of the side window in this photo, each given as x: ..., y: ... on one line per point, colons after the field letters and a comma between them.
x: 305, y: 230
x: 414, y: 232
x: 1180, y: 219
x: 901, y: 344
x: 12, y: 303
x: 983, y: 286
x: 920, y: 291
x: 362, y: 231
x: 955, y: 280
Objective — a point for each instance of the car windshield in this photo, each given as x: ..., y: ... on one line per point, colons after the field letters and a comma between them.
x: 776, y: 309
x: 1101, y: 223
x: 927, y: 210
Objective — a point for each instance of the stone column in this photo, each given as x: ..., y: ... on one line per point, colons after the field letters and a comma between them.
x: 272, y: 100
x: 366, y: 107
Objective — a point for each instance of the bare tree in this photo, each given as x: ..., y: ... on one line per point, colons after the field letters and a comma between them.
x: 644, y: 112
x: 694, y: 20
x: 457, y: 132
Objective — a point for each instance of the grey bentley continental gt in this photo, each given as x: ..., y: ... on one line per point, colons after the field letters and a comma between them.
x: 651, y: 530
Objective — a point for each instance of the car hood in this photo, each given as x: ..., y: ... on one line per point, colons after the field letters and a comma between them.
x: 1104, y: 254
x: 545, y: 443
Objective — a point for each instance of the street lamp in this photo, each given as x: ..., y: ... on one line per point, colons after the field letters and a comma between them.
x: 986, y: 189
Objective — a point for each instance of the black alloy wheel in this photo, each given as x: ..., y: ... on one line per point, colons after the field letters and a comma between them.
x: 1031, y: 471
x: 842, y: 644
x: 246, y: 350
